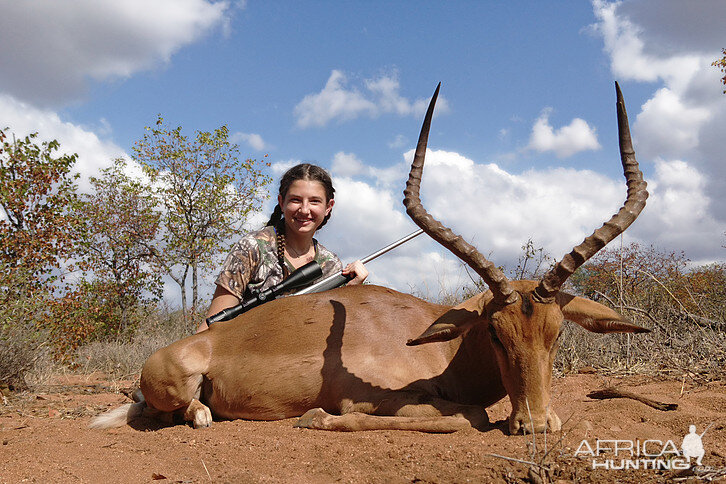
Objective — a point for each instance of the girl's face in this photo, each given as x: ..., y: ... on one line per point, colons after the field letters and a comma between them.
x: 305, y: 206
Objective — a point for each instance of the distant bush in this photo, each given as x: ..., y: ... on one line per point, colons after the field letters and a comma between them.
x: 685, y: 307
x: 123, y: 357
x: 22, y: 344
x: 89, y: 313
x: 20, y: 349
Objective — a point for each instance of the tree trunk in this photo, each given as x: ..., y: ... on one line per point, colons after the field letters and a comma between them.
x: 182, y: 281
x: 195, y: 286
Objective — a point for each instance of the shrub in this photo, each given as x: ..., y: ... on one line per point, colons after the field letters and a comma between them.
x: 22, y: 344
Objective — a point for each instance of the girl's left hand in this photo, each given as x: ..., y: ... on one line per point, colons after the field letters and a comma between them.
x: 358, y: 269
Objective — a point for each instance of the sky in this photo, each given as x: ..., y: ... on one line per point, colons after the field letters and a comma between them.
x: 523, y: 143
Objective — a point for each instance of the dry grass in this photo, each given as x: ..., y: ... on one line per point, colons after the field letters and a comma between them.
x: 683, y: 349
x: 21, y: 349
x: 123, y: 358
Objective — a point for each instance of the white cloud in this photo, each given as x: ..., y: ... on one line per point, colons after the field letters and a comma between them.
x: 338, y: 101
x: 279, y: 168
x: 498, y: 211
x: 624, y: 44
x: 565, y: 141
x: 667, y: 126
x: 695, y: 29
x: 94, y: 153
x: 678, y: 215
x: 346, y: 164
x: 680, y: 126
x: 398, y: 142
x: 334, y: 101
x: 252, y: 139
x: 50, y: 48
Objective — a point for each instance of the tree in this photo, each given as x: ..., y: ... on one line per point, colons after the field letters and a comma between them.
x: 721, y: 63
x: 621, y: 274
x: 658, y: 284
x: 115, y: 226
x: 37, y: 192
x: 205, y: 192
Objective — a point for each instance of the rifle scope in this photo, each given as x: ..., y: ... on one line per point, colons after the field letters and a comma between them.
x: 300, y: 277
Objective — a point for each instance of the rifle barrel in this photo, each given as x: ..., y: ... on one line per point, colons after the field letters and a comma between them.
x: 392, y: 246
x: 338, y: 279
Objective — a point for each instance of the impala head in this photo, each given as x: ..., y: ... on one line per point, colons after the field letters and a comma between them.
x: 523, y: 318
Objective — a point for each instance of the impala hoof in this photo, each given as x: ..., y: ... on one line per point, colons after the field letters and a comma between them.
x: 554, y: 424
x: 527, y: 425
x: 202, y: 420
x: 199, y: 414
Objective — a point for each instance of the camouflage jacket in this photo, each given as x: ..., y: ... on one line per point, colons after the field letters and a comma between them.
x: 252, y: 264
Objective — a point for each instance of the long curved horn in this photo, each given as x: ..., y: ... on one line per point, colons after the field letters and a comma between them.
x: 634, y: 204
x: 495, y: 279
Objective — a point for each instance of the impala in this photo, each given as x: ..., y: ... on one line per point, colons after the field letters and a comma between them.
x: 344, y: 360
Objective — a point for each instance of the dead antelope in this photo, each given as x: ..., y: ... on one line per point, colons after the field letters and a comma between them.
x: 347, y: 351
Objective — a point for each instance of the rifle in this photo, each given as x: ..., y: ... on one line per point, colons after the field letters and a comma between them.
x: 301, y: 277
x: 338, y: 279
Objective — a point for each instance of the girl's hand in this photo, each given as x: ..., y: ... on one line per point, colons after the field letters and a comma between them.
x: 358, y: 269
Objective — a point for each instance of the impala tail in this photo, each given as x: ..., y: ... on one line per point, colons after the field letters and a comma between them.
x: 118, y: 417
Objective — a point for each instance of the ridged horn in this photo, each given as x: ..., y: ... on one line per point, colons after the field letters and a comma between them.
x: 494, y: 278
x: 634, y: 204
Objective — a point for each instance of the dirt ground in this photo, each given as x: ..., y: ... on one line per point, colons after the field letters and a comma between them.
x: 44, y: 438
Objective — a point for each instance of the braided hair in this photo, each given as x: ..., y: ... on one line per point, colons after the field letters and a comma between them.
x: 306, y: 172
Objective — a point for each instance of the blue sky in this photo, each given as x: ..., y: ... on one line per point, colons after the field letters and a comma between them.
x: 524, y: 143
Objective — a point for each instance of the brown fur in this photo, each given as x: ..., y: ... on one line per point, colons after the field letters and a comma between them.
x: 345, y: 352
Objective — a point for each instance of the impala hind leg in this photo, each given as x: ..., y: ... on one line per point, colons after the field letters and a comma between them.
x: 196, y: 412
x: 171, y: 382
x: 199, y: 414
x: 413, y: 403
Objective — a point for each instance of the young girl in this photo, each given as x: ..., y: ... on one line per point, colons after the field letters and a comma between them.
x: 265, y: 258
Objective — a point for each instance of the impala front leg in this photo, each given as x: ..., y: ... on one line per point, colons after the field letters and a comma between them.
x: 317, y: 418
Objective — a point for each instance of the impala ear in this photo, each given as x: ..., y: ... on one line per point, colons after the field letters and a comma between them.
x: 594, y: 316
x: 454, y: 322
x: 442, y: 331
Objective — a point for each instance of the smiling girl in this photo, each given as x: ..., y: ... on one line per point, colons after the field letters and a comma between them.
x: 265, y: 258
